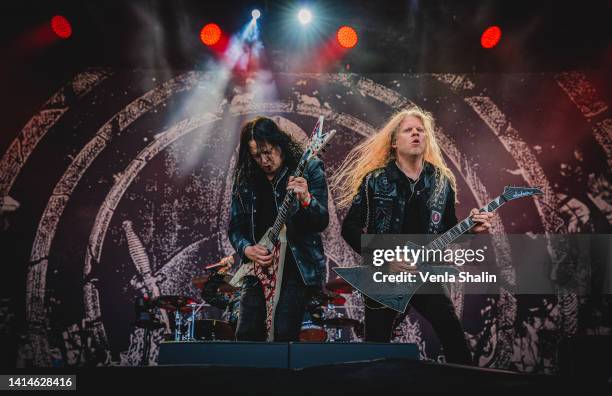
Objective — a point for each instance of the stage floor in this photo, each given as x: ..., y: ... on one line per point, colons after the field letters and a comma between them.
x: 387, y: 375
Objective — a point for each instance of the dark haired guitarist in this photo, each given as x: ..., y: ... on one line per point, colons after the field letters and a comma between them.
x: 267, y: 157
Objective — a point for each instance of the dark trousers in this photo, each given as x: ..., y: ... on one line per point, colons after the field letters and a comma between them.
x: 435, y: 306
x: 289, y: 311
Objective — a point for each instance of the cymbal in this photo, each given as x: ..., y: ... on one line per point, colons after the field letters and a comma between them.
x: 329, y: 297
x: 172, y: 303
x: 339, y: 285
x: 226, y: 288
x: 223, y: 279
x: 199, y: 281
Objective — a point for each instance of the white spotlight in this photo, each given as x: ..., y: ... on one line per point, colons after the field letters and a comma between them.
x: 304, y: 16
x: 255, y: 14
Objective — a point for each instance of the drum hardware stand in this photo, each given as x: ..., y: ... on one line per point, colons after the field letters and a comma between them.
x: 177, y: 326
x: 338, y: 333
x: 191, y: 320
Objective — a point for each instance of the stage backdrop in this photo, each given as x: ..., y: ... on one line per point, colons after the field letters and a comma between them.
x: 124, y: 182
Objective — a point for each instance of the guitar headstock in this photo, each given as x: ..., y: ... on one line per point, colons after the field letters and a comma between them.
x: 319, y: 139
x: 513, y: 192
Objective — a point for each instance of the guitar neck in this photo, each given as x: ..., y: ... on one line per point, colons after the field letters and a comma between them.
x: 464, y: 226
x: 283, y: 211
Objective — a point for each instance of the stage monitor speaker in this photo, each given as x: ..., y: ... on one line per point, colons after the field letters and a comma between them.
x: 225, y: 353
x: 309, y: 354
x: 278, y: 354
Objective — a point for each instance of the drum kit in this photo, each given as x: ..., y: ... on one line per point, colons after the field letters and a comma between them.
x: 190, y: 323
x: 323, y: 316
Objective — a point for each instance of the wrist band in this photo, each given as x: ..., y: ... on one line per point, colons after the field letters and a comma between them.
x: 306, y: 202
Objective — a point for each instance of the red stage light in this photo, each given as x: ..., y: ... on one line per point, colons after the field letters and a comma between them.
x: 347, y: 37
x: 490, y: 37
x: 61, y: 27
x: 210, y: 34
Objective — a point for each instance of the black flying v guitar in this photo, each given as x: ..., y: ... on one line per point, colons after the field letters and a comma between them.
x: 397, y: 295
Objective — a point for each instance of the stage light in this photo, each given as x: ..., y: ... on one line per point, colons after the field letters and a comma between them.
x: 490, y: 37
x: 256, y: 14
x: 304, y: 16
x: 210, y: 34
x: 61, y: 27
x: 347, y: 37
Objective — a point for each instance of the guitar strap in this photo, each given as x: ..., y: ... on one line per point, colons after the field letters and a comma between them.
x: 436, y: 207
x: 367, y: 197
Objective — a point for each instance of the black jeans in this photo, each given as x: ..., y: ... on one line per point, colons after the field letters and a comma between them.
x: 435, y: 306
x: 289, y: 311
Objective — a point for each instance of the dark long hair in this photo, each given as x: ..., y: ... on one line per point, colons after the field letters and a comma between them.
x: 264, y: 130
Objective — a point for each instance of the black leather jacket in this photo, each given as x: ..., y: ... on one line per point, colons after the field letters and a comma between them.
x: 304, y: 225
x: 387, y: 200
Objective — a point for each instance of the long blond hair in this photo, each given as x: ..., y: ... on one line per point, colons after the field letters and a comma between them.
x: 376, y: 151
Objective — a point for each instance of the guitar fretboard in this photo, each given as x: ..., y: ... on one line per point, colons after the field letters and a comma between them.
x: 283, y: 211
x: 464, y: 226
